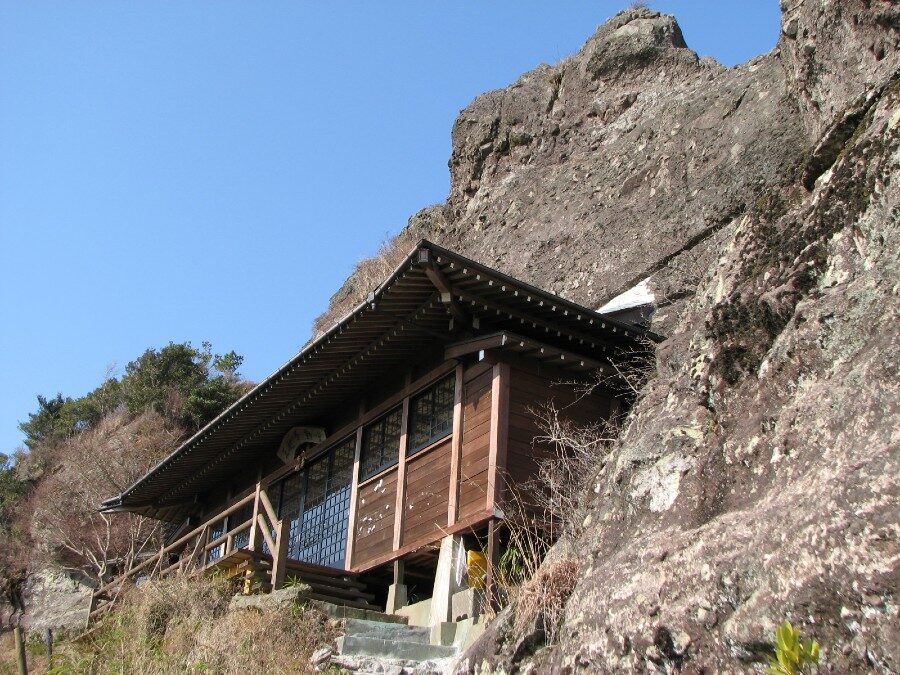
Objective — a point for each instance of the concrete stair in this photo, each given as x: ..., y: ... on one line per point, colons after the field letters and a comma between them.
x: 398, y: 647
x: 374, y: 642
x: 386, y: 630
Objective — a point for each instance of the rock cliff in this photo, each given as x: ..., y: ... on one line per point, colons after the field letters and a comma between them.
x: 757, y: 477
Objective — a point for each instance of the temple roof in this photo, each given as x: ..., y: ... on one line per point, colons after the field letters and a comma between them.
x: 434, y: 295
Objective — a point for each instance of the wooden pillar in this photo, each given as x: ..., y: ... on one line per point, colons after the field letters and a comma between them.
x: 255, y: 537
x: 399, y: 568
x: 354, y: 490
x: 160, y: 559
x: 455, y: 449
x: 399, y: 509
x: 204, y: 540
x: 279, y: 555
x: 20, y: 651
x: 499, y: 433
x: 493, y: 560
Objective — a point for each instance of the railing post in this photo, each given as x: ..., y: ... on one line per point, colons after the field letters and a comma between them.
x: 90, y: 610
x: 279, y: 555
x: 203, y: 553
x: 254, y: 528
x: 160, y: 560
x: 20, y: 650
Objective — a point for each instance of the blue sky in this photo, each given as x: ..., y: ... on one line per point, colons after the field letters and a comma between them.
x: 176, y: 171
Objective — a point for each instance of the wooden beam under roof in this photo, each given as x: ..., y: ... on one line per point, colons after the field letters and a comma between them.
x: 563, y: 358
x: 439, y: 281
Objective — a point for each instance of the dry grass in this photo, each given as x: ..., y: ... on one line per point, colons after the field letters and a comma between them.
x: 368, y: 274
x: 182, y: 624
x: 542, y: 599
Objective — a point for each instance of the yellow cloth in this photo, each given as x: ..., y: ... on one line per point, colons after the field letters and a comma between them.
x: 476, y: 565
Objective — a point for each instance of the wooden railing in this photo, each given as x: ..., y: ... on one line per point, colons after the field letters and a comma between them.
x: 193, y: 548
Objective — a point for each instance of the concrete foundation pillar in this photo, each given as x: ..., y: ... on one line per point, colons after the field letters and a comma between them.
x: 448, y: 579
x: 397, y: 598
x: 397, y: 594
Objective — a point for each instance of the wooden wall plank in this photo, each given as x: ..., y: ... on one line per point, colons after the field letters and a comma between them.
x: 475, y: 442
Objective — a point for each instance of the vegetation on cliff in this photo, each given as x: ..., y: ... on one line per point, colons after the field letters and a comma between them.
x: 83, y: 450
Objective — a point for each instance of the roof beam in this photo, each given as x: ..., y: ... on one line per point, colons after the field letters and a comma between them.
x: 439, y: 281
x: 582, y: 338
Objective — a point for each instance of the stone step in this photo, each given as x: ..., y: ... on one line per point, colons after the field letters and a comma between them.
x: 371, y: 665
x: 350, y: 645
x: 387, y: 631
x: 335, y: 611
x: 347, y: 602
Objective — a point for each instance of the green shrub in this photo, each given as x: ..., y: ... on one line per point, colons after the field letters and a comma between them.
x: 792, y: 655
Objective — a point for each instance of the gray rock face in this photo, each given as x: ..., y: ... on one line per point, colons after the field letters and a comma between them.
x: 54, y: 599
x: 269, y: 602
x: 622, y: 161
x: 757, y: 479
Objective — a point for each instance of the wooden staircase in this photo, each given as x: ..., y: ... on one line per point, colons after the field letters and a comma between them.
x: 327, y: 584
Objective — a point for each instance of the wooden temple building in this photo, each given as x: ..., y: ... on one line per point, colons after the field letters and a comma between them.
x: 384, y: 445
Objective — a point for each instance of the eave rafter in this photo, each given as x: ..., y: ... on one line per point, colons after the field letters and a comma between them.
x: 404, y: 324
x: 461, y: 318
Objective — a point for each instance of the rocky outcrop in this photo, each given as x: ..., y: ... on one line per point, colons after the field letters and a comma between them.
x: 623, y: 161
x: 757, y: 479
x: 616, y: 162
x: 55, y: 600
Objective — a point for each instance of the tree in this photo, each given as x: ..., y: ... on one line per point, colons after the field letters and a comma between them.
x: 177, y: 382
x: 53, y: 420
x: 186, y: 385
x: 84, y: 450
x: 97, y: 463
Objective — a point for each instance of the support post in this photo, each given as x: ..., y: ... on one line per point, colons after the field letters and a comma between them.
x: 400, y: 504
x: 160, y: 559
x: 397, y: 595
x: 455, y: 449
x: 493, y: 559
x: 354, y: 491
x: 203, y: 553
x: 20, y: 651
x: 254, y: 528
x: 499, y: 433
x: 279, y: 555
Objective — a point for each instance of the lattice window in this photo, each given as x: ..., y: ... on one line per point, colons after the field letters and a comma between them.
x: 317, y: 502
x: 381, y: 444
x: 215, y: 531
x: 290, y: 503
x: 431, y: 414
